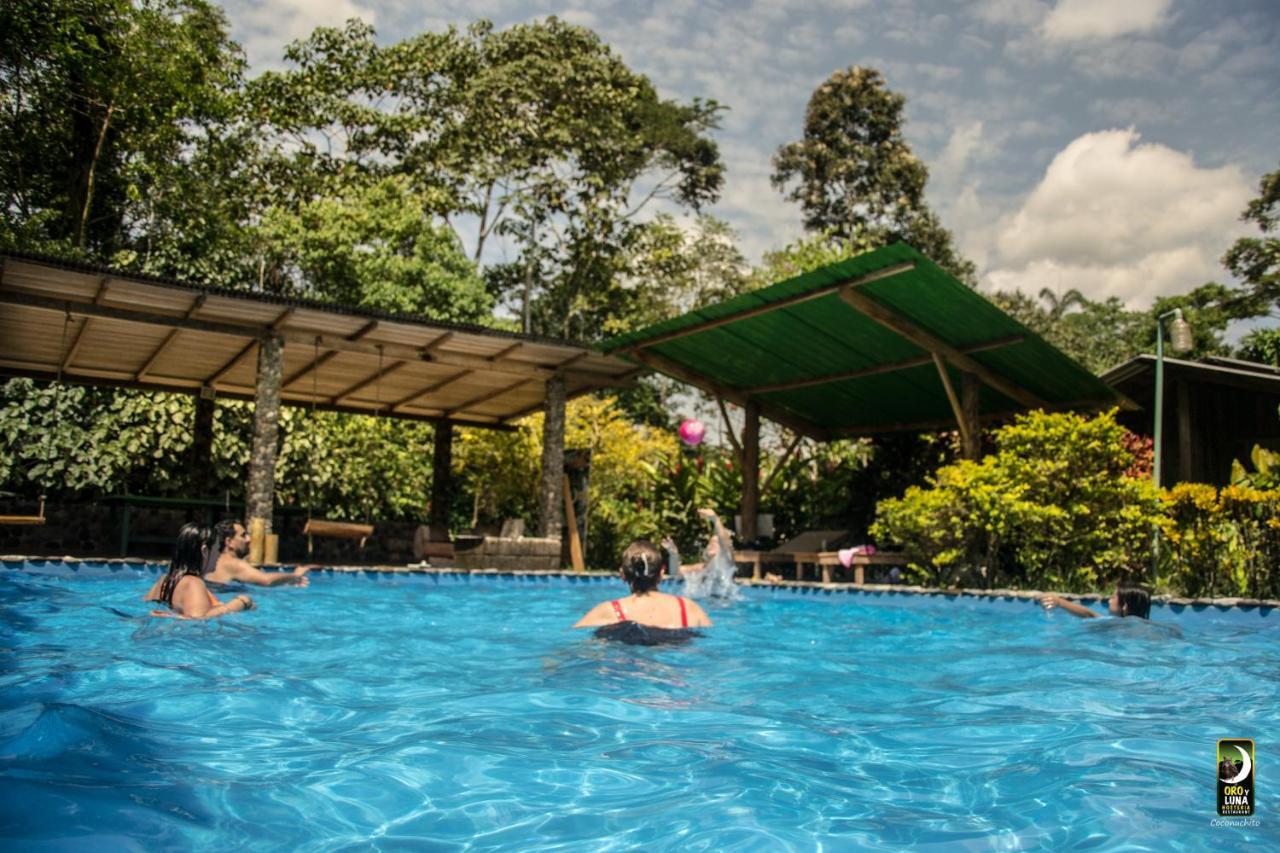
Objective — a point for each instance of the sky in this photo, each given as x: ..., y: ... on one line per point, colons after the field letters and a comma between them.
x: 1104, y: 145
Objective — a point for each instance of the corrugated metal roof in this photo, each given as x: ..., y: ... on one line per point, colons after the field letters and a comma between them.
x: 98, y: 326
x: 848, y: 350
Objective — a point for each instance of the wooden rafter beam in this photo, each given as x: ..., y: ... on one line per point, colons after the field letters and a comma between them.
x: 430, y: 389
x: 622, y: 380
x: 331, y: 344
x: 504, y: 352
x: 887, y: 272
x: 365, y: 383
x: 321, y: 360
x: 485, y: 397
x: 895, y: 322
x: 953, y: 398
x: 733, y: 395
x: 231, y: 365
x: 874, y: 370
x: 728, y: 430
x: 124, y: 379
x: 84, y: 326
x: 196, y: 305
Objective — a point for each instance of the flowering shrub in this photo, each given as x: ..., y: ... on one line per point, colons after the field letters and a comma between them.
x: 1056, y: 507
x: 1221, y: 543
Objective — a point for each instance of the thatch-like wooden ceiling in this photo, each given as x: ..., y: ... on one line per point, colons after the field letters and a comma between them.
x: 96, y: 326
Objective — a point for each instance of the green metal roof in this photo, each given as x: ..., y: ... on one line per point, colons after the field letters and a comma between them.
x: 879, y: 316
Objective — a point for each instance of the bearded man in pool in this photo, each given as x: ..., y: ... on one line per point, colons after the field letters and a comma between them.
x: 233, y: 540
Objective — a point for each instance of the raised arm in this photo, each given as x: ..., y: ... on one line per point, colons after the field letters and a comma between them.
x: 673, y: 556
x: 245, y: 572
x: 1051, y: 601
x: 717, y: 529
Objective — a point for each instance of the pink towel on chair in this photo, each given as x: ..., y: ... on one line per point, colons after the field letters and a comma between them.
x: 845, y: 555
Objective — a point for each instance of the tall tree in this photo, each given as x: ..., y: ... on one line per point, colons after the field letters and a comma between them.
x: 539, y: 134
x: 1256, y: 260
x: 855, y: 176
x: 96, y: 97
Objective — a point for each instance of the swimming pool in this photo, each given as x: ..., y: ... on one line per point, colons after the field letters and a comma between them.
x: 451, y: 712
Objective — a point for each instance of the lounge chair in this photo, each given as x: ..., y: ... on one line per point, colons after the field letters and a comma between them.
x: 800, y: 550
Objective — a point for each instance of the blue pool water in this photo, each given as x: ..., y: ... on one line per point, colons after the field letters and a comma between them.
x: 454, y: 713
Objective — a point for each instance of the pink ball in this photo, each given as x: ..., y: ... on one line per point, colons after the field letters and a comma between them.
x: 692, y: 431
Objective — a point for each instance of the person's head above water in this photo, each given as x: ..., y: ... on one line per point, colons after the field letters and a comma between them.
x: 231, y: 537
x: 190, y: 557
x: 1130, y: 601
x: 642, y: 566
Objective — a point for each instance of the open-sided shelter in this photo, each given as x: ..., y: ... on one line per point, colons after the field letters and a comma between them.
x: 97, y: 326
x: 882, y: 342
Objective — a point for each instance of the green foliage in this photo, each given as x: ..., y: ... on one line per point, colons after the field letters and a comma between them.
x: 375, y: 248
x: 1256, y: 260
x: 670, y: 270
x: 101, y: 97
x: 538, y: 133
x: 855, y: 176
x: 1262, y: 346
x: 1053, y: 508
x: 1221, y: 543
x: 1265, y: 473
x: 71, y: 442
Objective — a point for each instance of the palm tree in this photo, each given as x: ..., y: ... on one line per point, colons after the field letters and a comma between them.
x: 1059, y: 305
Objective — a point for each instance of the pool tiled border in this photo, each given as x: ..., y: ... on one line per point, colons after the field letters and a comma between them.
x: 1264, y: 607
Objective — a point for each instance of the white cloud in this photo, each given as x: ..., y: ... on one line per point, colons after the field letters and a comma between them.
x: 1081, y: 20
x: 264, y: 28
x: 1023, y: 13
x: 966, y: 140
x: 1113, y: 217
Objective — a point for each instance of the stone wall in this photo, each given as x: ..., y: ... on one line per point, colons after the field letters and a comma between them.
x: 93, y: 530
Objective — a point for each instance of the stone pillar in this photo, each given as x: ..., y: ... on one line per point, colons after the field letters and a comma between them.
x: 972, y: 433
x: 750, y: 471
x: 441, y: 483
x: 551, y: 492
x: 266, y: 430
x: 200, y: 458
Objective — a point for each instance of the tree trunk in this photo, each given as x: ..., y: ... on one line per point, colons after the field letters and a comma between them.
x: 88, y: 187
x: 201, y: 456
x: 266, y: 430
x: 550, y: 506
x: 750, y: 472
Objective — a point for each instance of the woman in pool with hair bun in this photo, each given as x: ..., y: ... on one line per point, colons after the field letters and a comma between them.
x: 643, y: 569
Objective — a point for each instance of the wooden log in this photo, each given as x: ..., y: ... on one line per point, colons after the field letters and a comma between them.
x: 571, y: 519
x: 337, y: 529
x: 257, y: 540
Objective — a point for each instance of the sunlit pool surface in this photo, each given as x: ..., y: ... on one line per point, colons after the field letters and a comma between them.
x: 454, y: 713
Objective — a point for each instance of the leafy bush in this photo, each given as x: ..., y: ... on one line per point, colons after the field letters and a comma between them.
x: 1221, y: 543
x: 1056, y: 507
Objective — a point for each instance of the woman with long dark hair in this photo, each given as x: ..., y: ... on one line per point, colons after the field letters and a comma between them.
x: 182, y: 589
x: 643, y: 569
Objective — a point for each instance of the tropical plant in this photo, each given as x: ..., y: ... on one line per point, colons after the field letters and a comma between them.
x: 1056, y: 507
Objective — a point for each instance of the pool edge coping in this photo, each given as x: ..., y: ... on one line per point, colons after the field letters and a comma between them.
x: 799, y: 586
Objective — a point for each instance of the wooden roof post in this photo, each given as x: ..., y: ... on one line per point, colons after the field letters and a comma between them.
x: 550, y: 508
x: 441, y: 483
x: 200, y: 456
x: 266, y: 431
x: 971, y: 435
x: 750, y: 471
